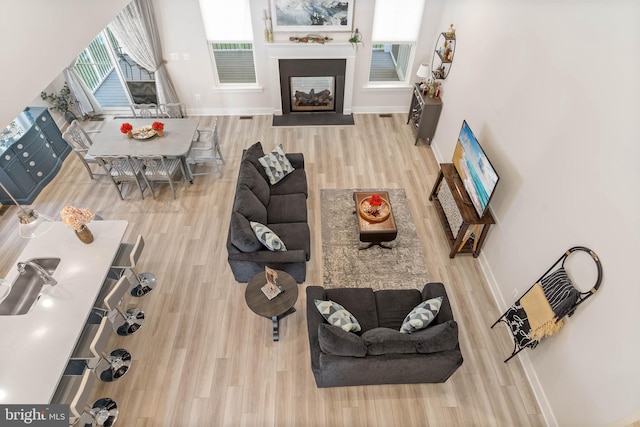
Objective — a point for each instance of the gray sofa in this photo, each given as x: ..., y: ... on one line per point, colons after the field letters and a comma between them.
x: 281, y: 207
x: 380, y: 354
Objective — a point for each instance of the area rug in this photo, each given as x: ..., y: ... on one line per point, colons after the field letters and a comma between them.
x: 344, y: 265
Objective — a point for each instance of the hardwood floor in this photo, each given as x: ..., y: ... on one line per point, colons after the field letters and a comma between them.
x: 204, y: 359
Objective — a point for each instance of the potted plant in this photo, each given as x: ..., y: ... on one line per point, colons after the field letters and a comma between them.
x: 356, y: 37
x: 61, y: 102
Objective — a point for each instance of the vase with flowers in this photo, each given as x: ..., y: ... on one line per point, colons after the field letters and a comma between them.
x: 126, y: 128
x: 158, y: 127
x: 77, y: 218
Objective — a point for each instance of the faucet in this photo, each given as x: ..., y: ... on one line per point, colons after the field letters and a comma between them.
x: 44, y: 274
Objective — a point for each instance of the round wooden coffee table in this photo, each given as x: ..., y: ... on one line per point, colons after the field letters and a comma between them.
x: 277, y: 308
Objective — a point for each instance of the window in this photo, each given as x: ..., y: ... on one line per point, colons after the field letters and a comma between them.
x: 395, y: 30
x: 234, y: 62
x: 228, y: 29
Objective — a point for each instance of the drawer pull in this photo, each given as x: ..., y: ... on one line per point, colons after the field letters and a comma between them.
x: 32, y: 163
x: 25, y: 154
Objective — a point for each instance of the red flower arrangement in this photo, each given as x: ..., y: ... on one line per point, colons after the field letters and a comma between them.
x: 126, y: 127
x: 157, y: 126
x: 375, y: 200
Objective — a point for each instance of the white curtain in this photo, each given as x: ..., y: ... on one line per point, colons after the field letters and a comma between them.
x: 136, y: 31
x: 86, y: 103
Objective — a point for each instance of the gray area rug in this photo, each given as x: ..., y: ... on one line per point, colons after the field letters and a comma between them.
x: 344, y: 265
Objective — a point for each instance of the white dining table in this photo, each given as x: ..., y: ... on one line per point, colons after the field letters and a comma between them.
x: 35, y: 347
x: 175, y: 143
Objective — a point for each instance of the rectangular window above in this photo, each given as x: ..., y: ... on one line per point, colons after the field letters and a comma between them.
x: 389, y: 62
x: 234, y: 62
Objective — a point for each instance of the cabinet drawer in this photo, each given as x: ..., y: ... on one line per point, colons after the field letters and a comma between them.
x: 41, y: 163
x: 20, y: 177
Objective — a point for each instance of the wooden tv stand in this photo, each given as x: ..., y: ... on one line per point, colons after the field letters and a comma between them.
x: 472, y: 224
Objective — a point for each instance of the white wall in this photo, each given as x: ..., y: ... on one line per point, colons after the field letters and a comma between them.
x: 550, y: 89
x: 40, y: 38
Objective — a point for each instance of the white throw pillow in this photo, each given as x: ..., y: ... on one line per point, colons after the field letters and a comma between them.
x: 337, y: 315
x: 421, y: 315
x: 267, y: 237
x: 276, y: 165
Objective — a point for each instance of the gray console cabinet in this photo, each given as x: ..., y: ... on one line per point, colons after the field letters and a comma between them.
x: 424, y: 114
x: 31, y: 153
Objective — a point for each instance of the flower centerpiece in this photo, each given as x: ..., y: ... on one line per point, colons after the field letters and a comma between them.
x: 77, y: 218
x: 126, y: 128
x: 158, y: 127
x: 375, y: 204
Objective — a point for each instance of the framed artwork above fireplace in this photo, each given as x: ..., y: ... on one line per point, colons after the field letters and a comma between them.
x: 312, y: 15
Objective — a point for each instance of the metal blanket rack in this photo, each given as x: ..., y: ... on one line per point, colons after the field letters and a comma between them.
x: 563, y: 297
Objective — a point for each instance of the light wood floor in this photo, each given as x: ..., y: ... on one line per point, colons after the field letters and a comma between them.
x: 204, y: 359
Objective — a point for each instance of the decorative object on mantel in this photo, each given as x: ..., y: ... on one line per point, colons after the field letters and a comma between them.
x: 312, y: 15
x: 356, y: 37
x: 310, y: 39
x: 158, y: 127
x: 271, y: 288
x: 126, y: 128
x: 77, y: 218
x: 268, y: 26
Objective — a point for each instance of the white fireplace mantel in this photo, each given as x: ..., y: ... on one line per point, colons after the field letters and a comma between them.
x: 277, y: 51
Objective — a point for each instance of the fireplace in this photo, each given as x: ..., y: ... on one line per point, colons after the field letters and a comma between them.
x: 312, y: 85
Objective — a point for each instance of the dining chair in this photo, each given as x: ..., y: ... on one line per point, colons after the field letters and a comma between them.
x: 75, y: 390
x: 89, y: 353
x: 160, y: 169
x: 122, y: 170
x: 145, y: 111
x: 80, y: 142
x: 172, y: 110
x: 205, y: 149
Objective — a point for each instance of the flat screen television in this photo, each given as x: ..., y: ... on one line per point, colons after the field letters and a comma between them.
x: 475, y: 170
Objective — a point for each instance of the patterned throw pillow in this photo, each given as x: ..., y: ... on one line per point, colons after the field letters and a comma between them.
x: 267, y: 237
x: 276, y: 164
x: 421, y: 315
x: 337, y: 315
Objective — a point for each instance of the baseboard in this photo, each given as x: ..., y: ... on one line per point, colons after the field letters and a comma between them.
x: 523, y: 357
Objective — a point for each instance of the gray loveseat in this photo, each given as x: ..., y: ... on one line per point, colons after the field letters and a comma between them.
x: 282, y: 207
x: 380, y: 354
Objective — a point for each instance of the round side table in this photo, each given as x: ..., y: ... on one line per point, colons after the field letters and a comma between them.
x: 277, y: 308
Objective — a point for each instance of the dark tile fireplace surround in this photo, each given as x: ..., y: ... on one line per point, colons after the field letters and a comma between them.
x: 334, y: 68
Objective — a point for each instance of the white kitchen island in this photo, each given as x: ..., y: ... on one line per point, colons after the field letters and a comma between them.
x: 35, y: 347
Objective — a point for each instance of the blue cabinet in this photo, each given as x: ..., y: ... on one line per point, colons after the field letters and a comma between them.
x: 31, y: 153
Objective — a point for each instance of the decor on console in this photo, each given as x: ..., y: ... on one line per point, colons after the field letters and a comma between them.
x: 77, y: 218
x: 309, y: 15
x: 271, y: 289
x: 126, y: 128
